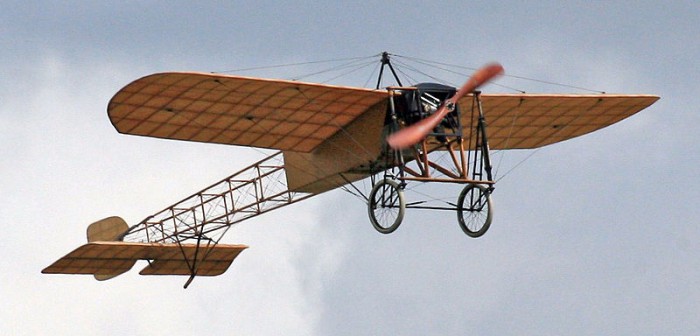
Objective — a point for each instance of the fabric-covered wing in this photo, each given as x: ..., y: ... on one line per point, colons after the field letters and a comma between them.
x: 165, y: 259
x: 266, y: 113
x: 520, y: 121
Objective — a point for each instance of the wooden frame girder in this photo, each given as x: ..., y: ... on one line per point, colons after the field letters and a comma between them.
x: 207, y: 214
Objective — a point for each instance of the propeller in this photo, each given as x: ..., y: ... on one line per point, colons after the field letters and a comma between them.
x: 411, y: 135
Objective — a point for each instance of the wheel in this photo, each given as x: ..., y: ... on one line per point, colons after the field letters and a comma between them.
x: 386, y: 206
x: 474, y: 210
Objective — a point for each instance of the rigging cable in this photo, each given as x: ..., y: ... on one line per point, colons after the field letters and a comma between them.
x: 435, y: 64
x: 295, y: 64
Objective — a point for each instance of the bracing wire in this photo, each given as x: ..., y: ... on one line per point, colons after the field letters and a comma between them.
x: 296, y: 64
x: 372, y: 75
x: 353, y: 66
x: 414, y: 69
x: 404, y: 62
x: 447, y: 67
x: 518, y: 164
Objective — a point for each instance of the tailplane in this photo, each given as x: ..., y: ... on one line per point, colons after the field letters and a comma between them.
x: 105, y: 255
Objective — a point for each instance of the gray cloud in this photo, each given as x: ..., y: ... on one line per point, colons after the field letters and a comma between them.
x: 593, y: 236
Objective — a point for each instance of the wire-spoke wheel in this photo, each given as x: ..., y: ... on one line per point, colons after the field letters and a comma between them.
x: 474, y: 210
x: 386, y: 206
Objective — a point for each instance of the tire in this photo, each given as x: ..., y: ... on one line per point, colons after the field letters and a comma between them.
x: 386, y: 206
x: 475, y: 210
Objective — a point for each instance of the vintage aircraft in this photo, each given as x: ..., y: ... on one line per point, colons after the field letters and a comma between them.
x: 326, y: 137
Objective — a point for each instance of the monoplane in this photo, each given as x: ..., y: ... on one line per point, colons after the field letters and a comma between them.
x: 325, y: 137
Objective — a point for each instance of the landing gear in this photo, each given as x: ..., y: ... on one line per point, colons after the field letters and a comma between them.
x: 386, y: 206
x: 474, y: 210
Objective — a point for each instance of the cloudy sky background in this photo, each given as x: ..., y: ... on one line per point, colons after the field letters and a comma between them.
x: 598, y: 235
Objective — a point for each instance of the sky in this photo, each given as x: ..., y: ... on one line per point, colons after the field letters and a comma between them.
x: 596, y: 235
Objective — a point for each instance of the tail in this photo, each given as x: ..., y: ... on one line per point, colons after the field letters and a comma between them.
x: 105, y: 255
